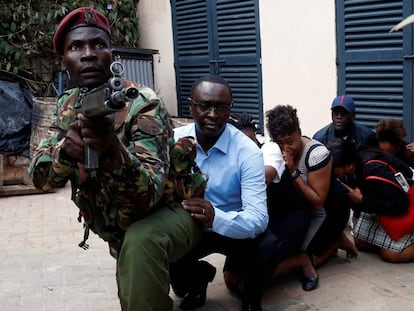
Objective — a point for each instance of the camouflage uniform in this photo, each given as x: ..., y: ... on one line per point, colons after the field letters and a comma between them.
x: 125, y: 190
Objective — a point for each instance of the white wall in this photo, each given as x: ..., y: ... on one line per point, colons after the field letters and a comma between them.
x: 298, y: 58
x: 298, y: 55
x: 155, y: 26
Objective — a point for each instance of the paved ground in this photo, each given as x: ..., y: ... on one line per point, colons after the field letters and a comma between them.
x: 43, y: 269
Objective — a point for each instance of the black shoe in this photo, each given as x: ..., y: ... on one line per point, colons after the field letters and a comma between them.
x: 193, y: 300
x: 196, y: 296
x: 251, y: 295
x: 309, y: 282
x: 179, y: 283
x: 248, y: 306
x: 179, y: 291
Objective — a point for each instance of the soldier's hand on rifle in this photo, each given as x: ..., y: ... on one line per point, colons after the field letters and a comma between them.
x: 73, y: 146
x: 98, y: 133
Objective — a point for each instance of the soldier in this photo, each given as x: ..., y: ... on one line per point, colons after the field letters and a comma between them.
x: 121, y: 199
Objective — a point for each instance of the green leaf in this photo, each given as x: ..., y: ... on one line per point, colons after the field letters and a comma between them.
x: 27, y: 29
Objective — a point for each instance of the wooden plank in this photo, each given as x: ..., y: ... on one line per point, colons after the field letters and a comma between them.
x: 18, y: 190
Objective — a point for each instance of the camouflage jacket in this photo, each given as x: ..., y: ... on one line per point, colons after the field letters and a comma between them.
x: 124, y: 189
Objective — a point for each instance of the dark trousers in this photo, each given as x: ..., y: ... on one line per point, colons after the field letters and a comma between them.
x: 282, y: 239
x: 186, y: 271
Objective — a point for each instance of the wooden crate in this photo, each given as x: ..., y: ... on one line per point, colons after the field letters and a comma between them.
x: 14, y: 176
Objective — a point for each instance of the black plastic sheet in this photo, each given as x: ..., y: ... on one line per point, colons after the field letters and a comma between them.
x: 16, y: 105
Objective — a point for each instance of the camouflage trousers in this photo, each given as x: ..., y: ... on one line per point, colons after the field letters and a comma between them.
x: 149, y: 246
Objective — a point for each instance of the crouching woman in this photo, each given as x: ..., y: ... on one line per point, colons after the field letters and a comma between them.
x: 376, y: 192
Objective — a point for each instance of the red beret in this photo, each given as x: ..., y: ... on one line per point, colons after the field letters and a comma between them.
x: 80, y: 17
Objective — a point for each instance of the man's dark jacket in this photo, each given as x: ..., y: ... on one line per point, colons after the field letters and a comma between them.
x: 359, y: 135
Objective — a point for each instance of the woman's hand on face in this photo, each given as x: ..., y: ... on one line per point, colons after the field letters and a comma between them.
x: 288, y: 158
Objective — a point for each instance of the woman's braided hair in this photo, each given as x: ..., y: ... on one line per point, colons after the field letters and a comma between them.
x: 243, y: 121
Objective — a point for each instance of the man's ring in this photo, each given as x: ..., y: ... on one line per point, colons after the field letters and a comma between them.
x: 203, y: 210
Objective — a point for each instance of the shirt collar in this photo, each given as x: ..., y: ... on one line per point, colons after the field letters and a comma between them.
x: 222, y: 144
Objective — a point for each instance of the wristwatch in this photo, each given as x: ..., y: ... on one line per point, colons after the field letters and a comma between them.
x: 295, y: 174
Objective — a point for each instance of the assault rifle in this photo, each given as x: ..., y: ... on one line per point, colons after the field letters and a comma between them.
x: 104, y: 100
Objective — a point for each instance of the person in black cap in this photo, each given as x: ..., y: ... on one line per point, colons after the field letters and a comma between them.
x: 122, y: 200
x: 344, y: 126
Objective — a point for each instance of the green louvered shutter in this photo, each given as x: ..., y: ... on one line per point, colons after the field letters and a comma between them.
x: 191, y: 47
x: 374, y: 65
x: 219, y: 37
